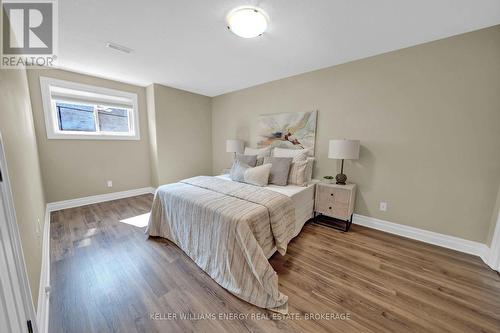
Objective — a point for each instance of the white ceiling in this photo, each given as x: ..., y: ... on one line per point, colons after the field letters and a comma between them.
x: 185, y: 43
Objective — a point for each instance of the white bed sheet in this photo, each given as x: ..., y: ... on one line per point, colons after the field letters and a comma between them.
x: 302, y: 198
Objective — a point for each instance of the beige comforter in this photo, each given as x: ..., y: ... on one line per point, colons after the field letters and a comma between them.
x: 228, y: 229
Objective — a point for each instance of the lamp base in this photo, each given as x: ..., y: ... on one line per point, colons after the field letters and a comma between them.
x: 341, y: 179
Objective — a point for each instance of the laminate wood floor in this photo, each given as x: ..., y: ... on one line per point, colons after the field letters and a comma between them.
x: 107, y: 276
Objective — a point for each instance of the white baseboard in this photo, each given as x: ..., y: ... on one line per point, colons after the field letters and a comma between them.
x: 491, y: 255
x: 450, y: 242
x: 58, y: 205
x: 42, y: 312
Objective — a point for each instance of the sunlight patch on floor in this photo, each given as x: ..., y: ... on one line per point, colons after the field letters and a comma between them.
x: 91, y: 232
x: 137, y: 221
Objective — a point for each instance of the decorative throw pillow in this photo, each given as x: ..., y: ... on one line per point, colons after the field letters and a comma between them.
x: 250, y: 160
x: 243, y: 173
x: 309, y: 169
x: 237, y: 172
x: 259, y: 175
x: 300, y: 157
x: 297, y: 175
x: 279, y: 170
x: 296, y: 154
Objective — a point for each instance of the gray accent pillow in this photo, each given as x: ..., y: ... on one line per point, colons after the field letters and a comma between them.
x: 250, y: 160
x: 280, y: 167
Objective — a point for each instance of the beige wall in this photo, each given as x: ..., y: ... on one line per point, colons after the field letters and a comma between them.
x: 175, y: 143
x: 428, y: 118
x: 18, y: 133
x: 182, y: 133
x: 78, y: 168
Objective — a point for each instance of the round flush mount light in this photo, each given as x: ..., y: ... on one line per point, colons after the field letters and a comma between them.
x: 247, y: 22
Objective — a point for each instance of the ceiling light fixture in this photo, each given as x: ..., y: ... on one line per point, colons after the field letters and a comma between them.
x: 247, y: 22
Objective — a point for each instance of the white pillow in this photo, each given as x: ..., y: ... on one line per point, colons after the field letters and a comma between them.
x: 296, y: 154
x: 243, y: 173
x: 297, y: 175
x: 260, y: 152
x: 309, y: 169
x: 259, y: 175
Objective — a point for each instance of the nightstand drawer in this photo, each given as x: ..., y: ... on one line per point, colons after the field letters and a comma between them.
x: 335, y: 210
x: 334, y: 194
x: 324, y: 202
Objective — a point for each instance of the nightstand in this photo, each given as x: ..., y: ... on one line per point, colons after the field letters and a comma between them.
x: 335, y: 201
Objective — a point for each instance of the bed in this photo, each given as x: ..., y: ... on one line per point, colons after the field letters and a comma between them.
x: 302, y: 198
x: 230, y: 229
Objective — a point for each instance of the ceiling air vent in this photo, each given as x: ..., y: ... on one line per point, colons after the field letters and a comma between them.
x: 118, y: 47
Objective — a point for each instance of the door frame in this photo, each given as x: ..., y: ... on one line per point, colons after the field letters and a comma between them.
x: 494, y: 251
x: 18, y: 292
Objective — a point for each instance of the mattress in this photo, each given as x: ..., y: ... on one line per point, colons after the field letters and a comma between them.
x: 302, y: 198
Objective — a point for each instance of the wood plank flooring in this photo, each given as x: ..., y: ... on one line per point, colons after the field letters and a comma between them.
x: 107, y: 276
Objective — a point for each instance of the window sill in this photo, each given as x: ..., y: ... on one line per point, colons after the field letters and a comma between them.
x: 92, y: 137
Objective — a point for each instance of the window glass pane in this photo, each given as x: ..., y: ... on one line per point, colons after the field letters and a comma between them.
x: 113, y: 119
x: 75, y: 117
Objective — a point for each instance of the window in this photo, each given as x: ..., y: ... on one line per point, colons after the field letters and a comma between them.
x: 78, y: 111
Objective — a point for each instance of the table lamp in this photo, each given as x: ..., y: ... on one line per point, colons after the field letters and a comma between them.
x: 234, y: 146
x: 343, y: 150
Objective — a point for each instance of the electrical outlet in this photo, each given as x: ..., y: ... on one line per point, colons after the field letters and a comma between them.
x: 109, y: 183
x: 383, y: 206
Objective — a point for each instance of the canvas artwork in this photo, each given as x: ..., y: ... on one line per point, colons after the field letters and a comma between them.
x: 295, y: 130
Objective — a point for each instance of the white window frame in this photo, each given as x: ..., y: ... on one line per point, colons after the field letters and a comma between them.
x: 52, y: 122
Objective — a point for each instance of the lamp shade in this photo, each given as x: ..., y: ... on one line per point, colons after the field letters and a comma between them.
x: 343, y: 149
x: 234, y: 146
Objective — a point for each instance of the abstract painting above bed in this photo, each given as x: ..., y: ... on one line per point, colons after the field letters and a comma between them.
x: 293, y: 130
